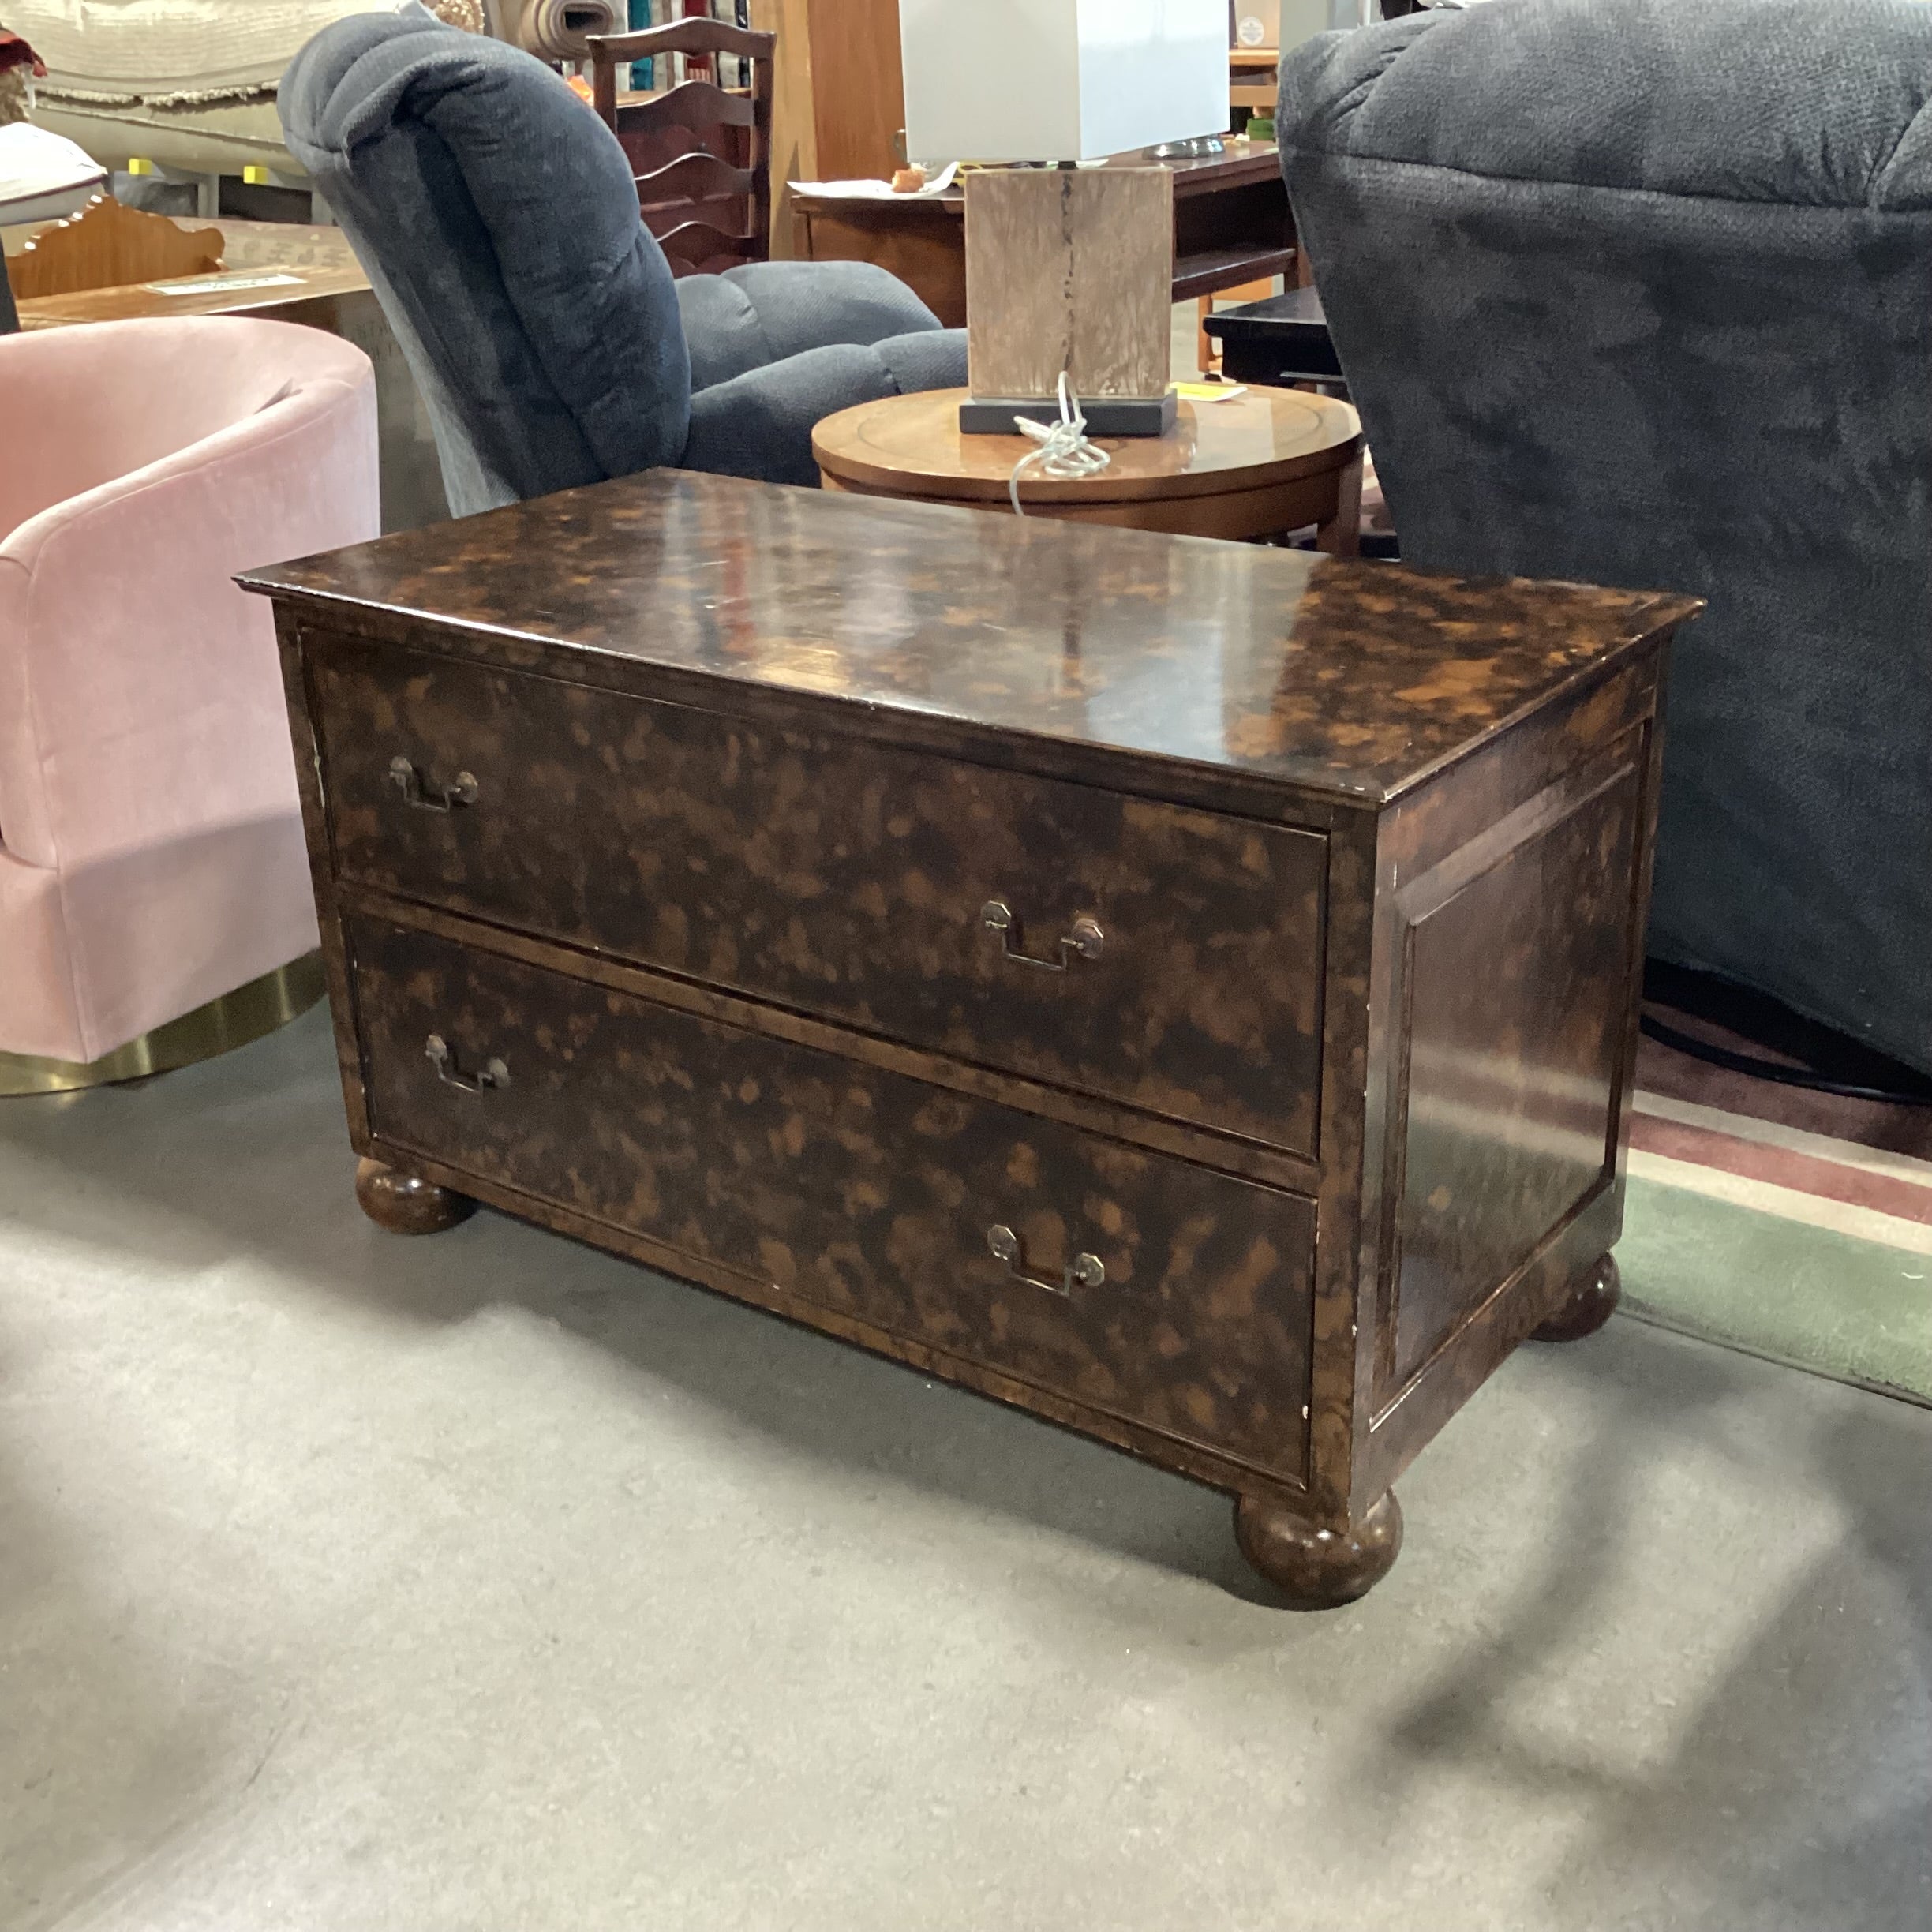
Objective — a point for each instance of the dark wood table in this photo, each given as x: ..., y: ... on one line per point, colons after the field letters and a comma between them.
x: 1232, y: 226
x: 1185, y: 990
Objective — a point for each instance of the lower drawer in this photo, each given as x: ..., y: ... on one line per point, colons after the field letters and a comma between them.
x: 1152, y: 1289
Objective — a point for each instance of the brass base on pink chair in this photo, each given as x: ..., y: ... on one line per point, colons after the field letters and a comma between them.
x: 248, y: 1013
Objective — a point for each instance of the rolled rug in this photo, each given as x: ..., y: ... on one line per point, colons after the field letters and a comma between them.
x: 20, y: 67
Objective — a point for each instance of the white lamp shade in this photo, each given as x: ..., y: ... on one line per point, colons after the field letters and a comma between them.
x: 1060, y: 80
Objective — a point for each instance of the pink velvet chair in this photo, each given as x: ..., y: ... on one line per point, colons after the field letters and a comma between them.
x: 151, y: 849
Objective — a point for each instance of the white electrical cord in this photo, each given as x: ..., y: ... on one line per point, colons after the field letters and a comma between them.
x: 1064, y: 453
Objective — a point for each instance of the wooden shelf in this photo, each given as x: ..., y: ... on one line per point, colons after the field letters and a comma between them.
x: 1254, y: 78
x: 1207, y: 270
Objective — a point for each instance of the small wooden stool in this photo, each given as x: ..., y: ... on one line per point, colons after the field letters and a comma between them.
x: 1262, y: 463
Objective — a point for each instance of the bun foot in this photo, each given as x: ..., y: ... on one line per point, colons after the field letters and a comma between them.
x: 406, y: 1203
x: 1319, y: 1569
x: 1593, y: 1297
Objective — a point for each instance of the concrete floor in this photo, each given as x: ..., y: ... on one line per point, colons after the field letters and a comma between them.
x: 354, y: 1583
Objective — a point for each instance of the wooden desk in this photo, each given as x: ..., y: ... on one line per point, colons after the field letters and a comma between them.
x: 314, y: 265
x: 1232, y: 228
x: 324, y: 287
x: 21, y: 214
x: 1188, y: 991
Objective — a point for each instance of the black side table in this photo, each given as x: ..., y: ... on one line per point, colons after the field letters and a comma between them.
x: 1281, y: 343
x: 1278, y: 342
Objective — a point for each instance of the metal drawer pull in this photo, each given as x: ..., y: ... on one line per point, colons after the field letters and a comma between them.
x: 1086, y: 939
x: 408, y: 780
x: 1084, y: 1271
x: 494, y: 1074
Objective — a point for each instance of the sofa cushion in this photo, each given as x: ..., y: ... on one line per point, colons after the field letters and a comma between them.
x: 498, y: 217
x: 1820, y: 105
x: 1639, y: 292
x: 759, y: 424
x: 763, y: 312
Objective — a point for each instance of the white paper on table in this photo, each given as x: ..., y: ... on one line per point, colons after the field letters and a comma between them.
x: 223, y: 284
x: 876, y: 190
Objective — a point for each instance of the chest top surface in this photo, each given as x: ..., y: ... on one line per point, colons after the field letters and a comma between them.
x: 1350, y: 678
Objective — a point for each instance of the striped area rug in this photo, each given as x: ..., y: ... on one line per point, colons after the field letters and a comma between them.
x: 1793, y: 1225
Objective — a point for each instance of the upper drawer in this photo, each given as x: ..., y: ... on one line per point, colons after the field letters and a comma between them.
x: 848, y: 879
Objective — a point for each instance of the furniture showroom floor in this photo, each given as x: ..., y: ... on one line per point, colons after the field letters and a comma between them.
x: 488, y: 1582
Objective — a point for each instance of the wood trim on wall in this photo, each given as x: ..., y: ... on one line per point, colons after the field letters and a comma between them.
x: 859, y: 96
x: 839, y: 102
x: 795, y: 140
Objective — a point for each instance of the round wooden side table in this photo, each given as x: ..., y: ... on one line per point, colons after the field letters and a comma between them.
x: 1264, y: 462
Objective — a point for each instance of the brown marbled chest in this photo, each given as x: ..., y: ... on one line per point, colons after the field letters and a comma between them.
x: 1183, y: 989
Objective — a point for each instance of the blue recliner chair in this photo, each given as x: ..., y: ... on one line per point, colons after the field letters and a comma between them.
x: 498, y: 222
x: 1640, y: 292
